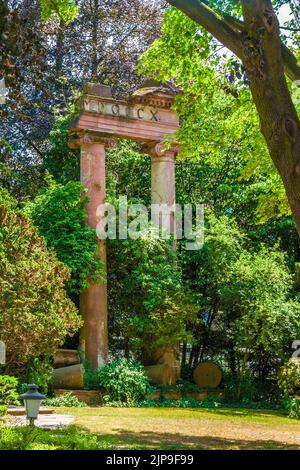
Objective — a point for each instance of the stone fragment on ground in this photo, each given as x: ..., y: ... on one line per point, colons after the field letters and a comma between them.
x: 45, y: 421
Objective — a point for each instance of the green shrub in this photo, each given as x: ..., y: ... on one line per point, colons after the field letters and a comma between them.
x: 59, y: 213
x: 120, y: 404
x: 289, y: 378
x: 33, y: 438
x: 67, y: 400
x: 8, y: 390
x: 209, y: 402
x: 17, y: 438
x: 39, y: 371
x: 292, y: 405
x: 35, y: 312
x: 90, y: 377
x: 238, y: 388
x: 124, y: 380
x: 3, y: 410
x: 183, y: 386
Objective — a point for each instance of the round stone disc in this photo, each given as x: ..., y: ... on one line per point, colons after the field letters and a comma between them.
x: 207, y: 375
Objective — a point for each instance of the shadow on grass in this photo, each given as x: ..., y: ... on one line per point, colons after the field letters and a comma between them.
x: 76, y: 438
x: 167, y: 441
x: 224, y: 413
x: 244, y: 412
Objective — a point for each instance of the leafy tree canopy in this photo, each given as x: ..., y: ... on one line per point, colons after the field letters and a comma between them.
x: 66, y: 10
x: 249, y: 303
x: 35, y: 311
x: 218, y: 118
x: 59, y: 213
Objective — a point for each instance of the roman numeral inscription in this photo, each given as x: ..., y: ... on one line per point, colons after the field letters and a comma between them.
x: 119, y: 109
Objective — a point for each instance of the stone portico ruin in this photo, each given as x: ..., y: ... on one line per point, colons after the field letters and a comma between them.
x: 145, y: 117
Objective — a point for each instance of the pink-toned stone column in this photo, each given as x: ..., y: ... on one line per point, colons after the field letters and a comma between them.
x: 163, y: 192
x: 163, y: 178
x: 93, y: 300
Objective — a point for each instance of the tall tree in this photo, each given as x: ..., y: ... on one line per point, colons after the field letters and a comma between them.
x: 45, y: 63
x: 252, y: 33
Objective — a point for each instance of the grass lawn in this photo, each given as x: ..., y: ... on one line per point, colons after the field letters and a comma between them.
x: 169, y: 428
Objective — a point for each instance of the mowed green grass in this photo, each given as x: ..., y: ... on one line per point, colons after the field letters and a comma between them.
x: 169, y: 428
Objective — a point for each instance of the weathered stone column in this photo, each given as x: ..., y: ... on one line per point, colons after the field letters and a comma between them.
x: 93, y: 300
x: 167, y: 367
x: 163, y: 179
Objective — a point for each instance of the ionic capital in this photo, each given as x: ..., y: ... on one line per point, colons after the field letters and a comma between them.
x: 161, y: 149
x: 78, y: 139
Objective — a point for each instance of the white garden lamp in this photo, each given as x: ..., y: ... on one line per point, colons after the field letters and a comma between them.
x: 32, y: 399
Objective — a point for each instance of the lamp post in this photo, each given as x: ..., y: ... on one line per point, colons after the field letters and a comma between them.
x: 32, y: 399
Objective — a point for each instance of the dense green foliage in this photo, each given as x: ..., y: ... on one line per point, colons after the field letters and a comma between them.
x: 33, y: 438
x: 219, y: 123
x: 123, y: 380
x: 65, y: 10
x: 58, y: 211
x: 250, y: 313
x: 292, y: 405
x: 67, y: 400
x: 8, y: 390
x: 149, y: 305
x: 289, y: 378
x: 59, y: 160
x: 34, y: 307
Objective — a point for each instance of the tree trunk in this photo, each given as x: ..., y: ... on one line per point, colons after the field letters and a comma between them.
x: 183, y: 356
x: 232, y: 358
x: 59, y: 53
x: 95, y: 25
x: 3, y: 18
x: 279, y: 122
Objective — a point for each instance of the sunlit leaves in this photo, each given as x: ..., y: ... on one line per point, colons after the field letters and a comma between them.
x: 59, y: 212
x: 66, y: 10
x: 219, y: 121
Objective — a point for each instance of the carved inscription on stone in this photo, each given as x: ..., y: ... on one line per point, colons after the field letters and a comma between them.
x: 142, y: 113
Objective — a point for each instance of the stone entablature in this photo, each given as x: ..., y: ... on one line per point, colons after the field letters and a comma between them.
x: 146, y: 115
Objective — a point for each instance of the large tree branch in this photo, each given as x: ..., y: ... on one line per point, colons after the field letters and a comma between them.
x: 291, y: 64
x: 212, y: 22
x: 226, y: 29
